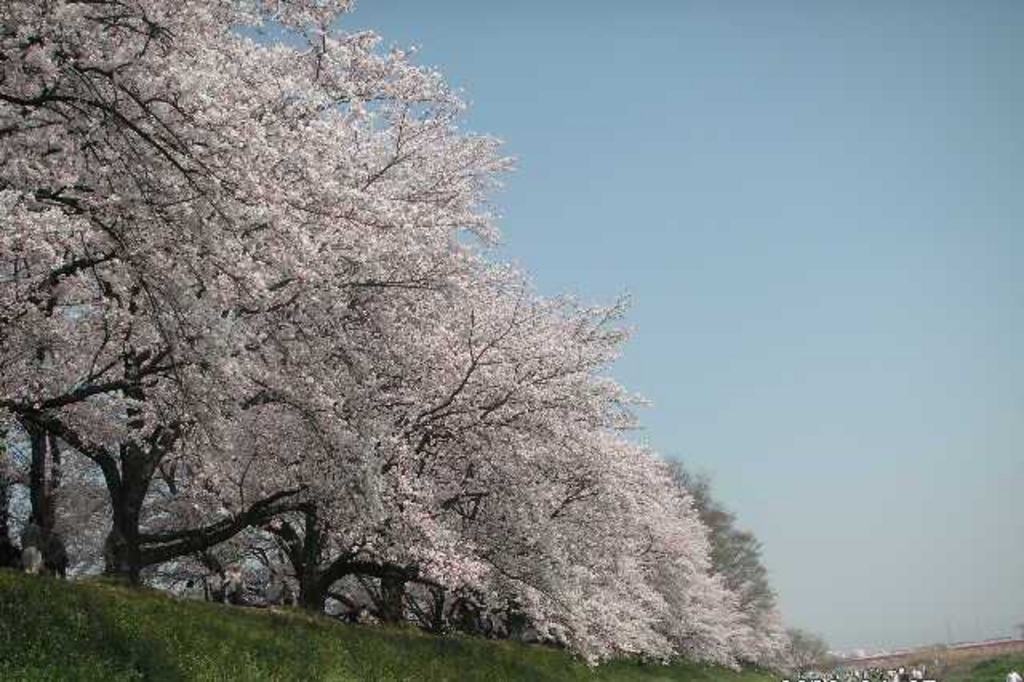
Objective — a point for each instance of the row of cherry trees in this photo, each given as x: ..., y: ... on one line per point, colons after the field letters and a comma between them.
x: 246, y: 305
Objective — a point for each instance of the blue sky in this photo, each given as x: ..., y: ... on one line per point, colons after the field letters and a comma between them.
x: 818, y: 209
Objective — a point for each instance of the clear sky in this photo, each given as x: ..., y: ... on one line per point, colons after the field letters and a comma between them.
x: 818, y: 208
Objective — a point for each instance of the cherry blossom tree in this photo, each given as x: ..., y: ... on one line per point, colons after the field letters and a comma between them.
x: 736, y: 558
x: 248, y: 281
x: 172, y: 190
x: 505, y: 485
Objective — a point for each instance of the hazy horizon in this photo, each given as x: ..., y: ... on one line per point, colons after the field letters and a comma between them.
x: 817, y: 210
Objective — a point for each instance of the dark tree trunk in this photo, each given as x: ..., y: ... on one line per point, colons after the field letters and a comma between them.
x: 392, y: 598
x: 122, y: 551
x: 312, y: 587
x: 516, y: 621
x: 121, y: 556
x: 52, y: 486
x: 437, y: 623
x: 37, y: 476
x: 128, y: 487
x: 43, y: 490
x: 311, y: 595
x: 9, y: 555
x: 305, y: 554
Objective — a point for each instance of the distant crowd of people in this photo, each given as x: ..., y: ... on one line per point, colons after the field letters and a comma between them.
x: 902, y: 674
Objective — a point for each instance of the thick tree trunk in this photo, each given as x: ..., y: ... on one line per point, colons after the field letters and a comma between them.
x: 312, y: 587
x: 312, y: 595
x: 305, y: 554
x: 52, y: 486
x: 5, y: 504
x: 43, y: 489
x: 37, y: 476
x: 437, y: 624
x: 392, y: 598
x: 122, y: 552
x: 9, y: 555
x: 516, y: 621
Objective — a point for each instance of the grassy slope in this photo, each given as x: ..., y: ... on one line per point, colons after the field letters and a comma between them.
x: 992, y: 670
x: 51, y: 630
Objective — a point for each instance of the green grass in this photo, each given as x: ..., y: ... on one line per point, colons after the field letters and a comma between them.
x: 53, y: 630
x: 992, y: 670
